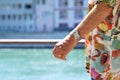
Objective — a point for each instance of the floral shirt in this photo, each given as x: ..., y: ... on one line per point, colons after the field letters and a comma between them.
x: 103, y: 45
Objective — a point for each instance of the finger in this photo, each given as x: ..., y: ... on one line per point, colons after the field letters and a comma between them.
x: 60, y: 56
x: 64, y: 57
x: 58, y: 52
x: 55, y: 51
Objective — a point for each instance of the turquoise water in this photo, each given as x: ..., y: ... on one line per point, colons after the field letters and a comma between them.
x: 39, y: 64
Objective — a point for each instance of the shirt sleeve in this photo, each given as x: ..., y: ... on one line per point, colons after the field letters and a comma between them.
x: 109, y: 2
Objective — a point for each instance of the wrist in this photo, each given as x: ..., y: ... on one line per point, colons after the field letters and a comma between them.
x: 76, y: 35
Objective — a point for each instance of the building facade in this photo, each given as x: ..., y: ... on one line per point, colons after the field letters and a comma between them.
x: 68, y: 13
x: 17, y: 16
x: 44, y: 15
x: 41, y: 15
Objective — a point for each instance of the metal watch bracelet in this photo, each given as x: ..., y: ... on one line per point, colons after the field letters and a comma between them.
x: 76, y: 35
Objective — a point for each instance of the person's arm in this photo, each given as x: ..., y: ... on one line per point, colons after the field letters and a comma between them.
x: 90, y: 22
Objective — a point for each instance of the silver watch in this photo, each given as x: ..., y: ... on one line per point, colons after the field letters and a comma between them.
x: 76, y: 35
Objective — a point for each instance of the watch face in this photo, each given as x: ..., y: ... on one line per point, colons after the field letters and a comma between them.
x: 76, y: 35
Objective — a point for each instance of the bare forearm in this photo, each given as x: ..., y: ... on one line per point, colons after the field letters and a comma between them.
x: 93, y: 19
x: 90, y: 22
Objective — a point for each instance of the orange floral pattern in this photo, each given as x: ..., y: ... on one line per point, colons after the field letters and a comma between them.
x: 103, y: 46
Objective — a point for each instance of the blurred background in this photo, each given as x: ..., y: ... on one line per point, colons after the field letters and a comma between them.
x: 37, y: 18
x: 40, y: 19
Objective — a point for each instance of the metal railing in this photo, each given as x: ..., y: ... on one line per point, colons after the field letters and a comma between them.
x: 33, y: 43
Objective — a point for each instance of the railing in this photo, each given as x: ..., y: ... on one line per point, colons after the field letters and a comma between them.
x: 33, y: 41
x: 27, y: 43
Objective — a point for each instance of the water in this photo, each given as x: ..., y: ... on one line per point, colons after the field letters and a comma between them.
x: 44, y: 35
x: 39, y: 64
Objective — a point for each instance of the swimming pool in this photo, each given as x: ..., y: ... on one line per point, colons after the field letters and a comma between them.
x: 39, y: 64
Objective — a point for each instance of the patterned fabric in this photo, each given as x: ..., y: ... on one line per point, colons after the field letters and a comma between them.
x: 103, y: 46
x: 110, y: 2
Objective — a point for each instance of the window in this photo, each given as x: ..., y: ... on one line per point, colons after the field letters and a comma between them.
x: 0, y: 17
x: 1, y: 6
x: 30, y: 15
x: 14, y: 28
x: 76, y: 24
x: 19, y: 5
x: 19, y: 27
x: 28, y: 6
x: 63, y: 25
x: 63, y: 14
x: 30, y: 27
x: 78, y: 14
x: 25, y: 16
x: 38, y: 1
x: 19, y: 17
x: 3, y: 17
x: 63, y: 3
x: 43, y: 1
x: 14, y: 5
x: 14, y: 17
x: 9, y: 17
x: 78, y: 2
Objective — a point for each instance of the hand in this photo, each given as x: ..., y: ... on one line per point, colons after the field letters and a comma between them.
x: 63, y: 47
x: 59, y: 51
